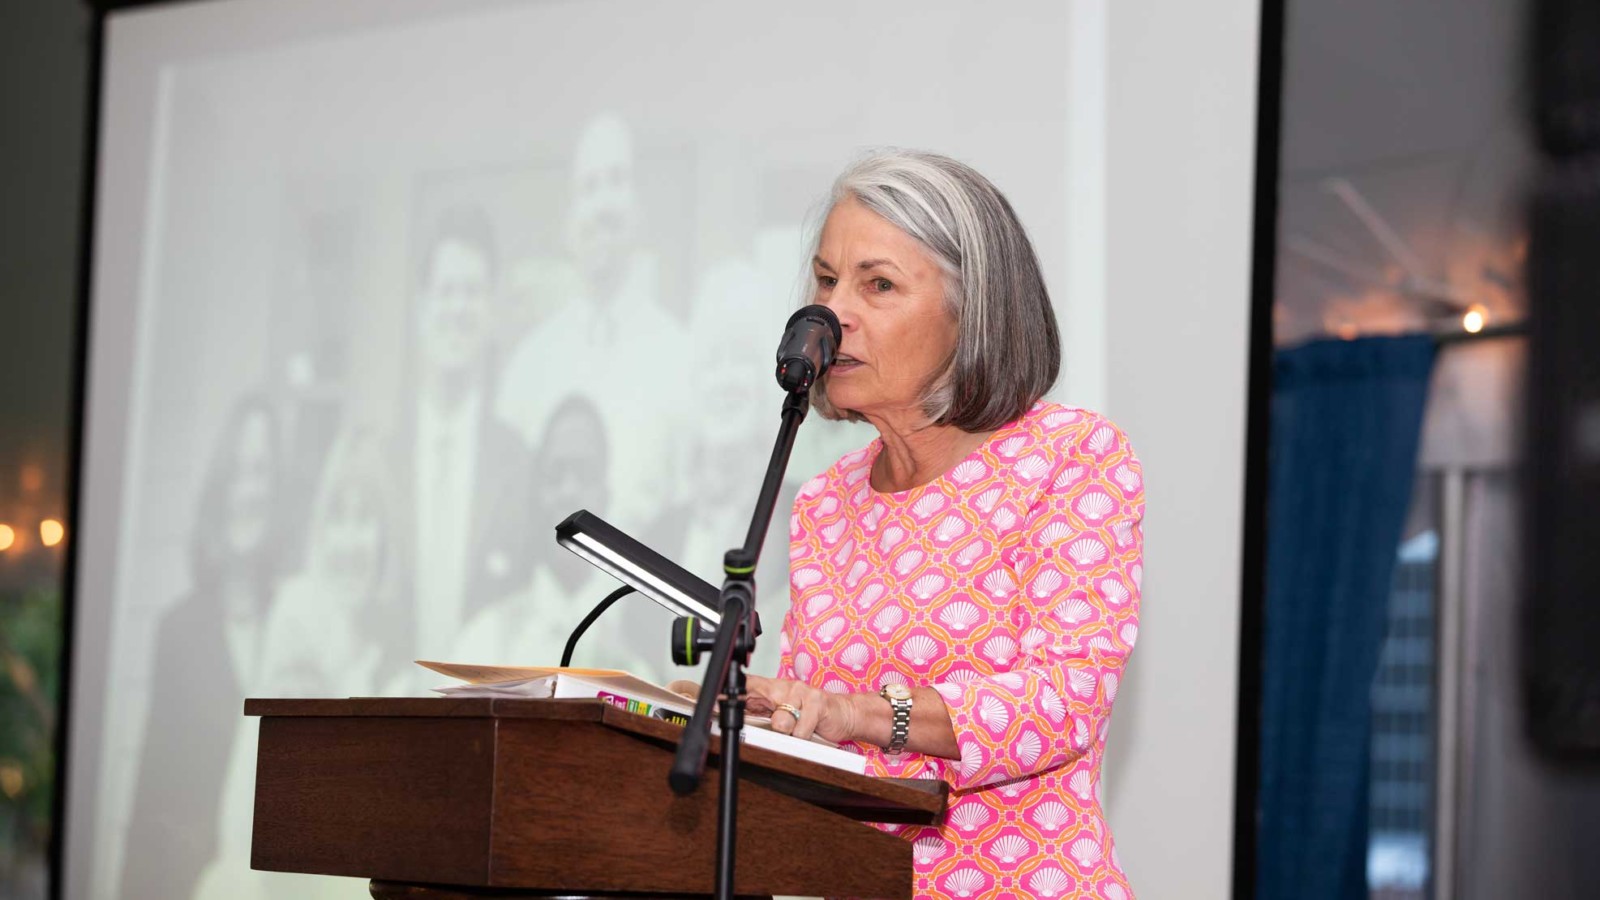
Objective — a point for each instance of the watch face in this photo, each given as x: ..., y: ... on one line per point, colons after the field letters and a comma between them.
x: 897, y: 692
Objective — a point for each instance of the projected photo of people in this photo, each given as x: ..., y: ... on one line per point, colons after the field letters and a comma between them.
x: 465, y: 471
x: 610, y: 316
x: 597, y: 339
x: 208, y: 655
x: 334, y: 629
x: 730, y: 439
x: 338, y: 628
x: 570, y: 472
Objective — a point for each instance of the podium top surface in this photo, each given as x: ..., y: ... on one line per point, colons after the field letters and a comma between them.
x: 905, y: 800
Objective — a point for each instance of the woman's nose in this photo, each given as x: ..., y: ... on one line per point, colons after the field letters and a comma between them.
x: 843, y: 307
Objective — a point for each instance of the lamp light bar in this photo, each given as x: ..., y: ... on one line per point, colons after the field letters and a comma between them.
x: 646, y: 571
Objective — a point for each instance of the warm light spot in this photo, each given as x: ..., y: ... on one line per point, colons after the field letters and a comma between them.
x: 11, y: 780
x: 7, y: 537
x: 22, y: 675
x: 32, y: 478
x: 1475, y: 318
x: 51, y: 532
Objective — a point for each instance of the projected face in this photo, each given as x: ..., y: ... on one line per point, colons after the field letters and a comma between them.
x: 249, y: 499
x: 571, y: 468
x: 352, y: 542
x: 732, y: 383
x: 731, y: 434
x: 454, y: 308
x: 889, y: 295
x: 605, y: 207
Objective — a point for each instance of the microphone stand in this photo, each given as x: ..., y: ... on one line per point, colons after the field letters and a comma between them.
x: 730, y: 647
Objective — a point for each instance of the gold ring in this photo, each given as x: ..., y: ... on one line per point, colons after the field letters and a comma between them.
x: 791, y: 709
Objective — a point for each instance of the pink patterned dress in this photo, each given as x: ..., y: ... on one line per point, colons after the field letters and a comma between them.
x: 1011, y: 586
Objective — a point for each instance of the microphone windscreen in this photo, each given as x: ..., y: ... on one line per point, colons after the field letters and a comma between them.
x: 819, y: 313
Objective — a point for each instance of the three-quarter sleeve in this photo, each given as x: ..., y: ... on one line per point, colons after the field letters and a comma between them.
x: 1072, y: 570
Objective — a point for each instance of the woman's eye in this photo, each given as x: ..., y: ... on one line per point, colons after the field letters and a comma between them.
x: 827, y: 281
x: 882, y: 285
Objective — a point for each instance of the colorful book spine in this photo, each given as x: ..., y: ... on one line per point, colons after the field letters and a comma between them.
x: 642, y: 708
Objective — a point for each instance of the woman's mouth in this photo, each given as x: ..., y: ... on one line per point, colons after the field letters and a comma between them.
x: 843, y: 363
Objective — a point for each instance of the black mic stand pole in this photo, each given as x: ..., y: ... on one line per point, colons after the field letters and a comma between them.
x: 730, y: 648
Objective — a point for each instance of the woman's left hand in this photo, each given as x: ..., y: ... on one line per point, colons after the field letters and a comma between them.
x: 827, y: 715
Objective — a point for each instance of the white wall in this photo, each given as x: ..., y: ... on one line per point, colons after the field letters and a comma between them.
x: 1181, y: 127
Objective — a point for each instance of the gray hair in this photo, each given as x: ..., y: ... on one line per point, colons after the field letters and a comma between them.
x: 1008, y: 348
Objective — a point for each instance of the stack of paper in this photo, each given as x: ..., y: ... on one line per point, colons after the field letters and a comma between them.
x: 630, y: 693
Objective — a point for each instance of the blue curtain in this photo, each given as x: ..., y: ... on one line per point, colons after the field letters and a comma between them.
x: 1345, y: 422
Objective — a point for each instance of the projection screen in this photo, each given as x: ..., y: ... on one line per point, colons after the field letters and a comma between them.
x: 383, y: 289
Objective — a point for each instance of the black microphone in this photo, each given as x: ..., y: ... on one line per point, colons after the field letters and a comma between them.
x: 810, y: 343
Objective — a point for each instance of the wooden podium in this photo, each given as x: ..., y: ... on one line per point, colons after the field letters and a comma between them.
x: 444, y: 798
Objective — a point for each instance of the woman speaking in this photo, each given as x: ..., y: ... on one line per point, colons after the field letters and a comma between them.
x: 965, y: 589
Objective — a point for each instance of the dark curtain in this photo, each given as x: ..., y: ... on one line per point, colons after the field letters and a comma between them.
x: 1345, y: 422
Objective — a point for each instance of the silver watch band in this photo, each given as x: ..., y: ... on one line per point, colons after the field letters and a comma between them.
x: 900, y: 726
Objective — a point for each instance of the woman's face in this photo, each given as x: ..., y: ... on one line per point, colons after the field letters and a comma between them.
x: 352, y: 543
x: 250, y: 493
x: 888, y: 292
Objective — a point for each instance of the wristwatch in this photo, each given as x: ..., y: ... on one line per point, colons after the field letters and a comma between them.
x: 899, y: 697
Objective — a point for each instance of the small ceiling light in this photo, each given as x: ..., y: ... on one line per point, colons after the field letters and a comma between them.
x: 1475, y: 318
x: 7, y: 537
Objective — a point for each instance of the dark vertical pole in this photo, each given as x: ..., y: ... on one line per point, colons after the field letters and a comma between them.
x: 730, y: 653
x: 727, y: 809
x: 1253, y: 563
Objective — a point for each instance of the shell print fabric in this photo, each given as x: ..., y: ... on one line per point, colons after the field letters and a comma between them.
x: 1010, y: 585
